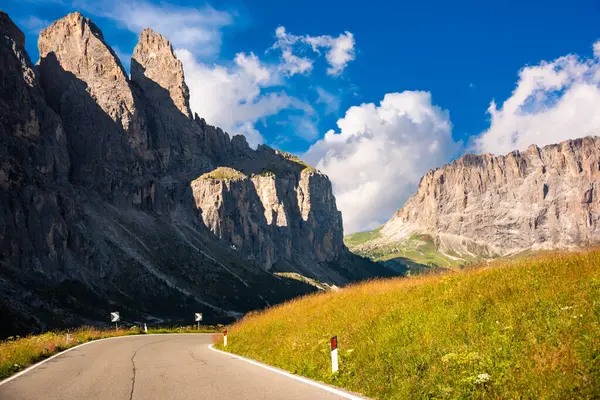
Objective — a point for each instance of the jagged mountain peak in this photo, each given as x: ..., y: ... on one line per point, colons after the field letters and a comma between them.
x: 104, y: 170
x: 155, y: 67
x: 73, y: 50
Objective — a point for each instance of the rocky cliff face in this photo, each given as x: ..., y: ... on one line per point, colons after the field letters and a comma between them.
x: 33, y: 160
x: 271, y: 218
x: 159, y: 72
x: 541, y: 198
x: 112, y: 196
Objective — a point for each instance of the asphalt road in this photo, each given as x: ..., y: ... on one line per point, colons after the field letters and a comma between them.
x: 154, y: 367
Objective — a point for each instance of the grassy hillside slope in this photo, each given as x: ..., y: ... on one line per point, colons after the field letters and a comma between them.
x: 413, y: 255
x: 526, y: 328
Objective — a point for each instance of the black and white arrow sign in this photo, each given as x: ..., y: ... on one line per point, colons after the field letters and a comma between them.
x: 197, y: 317
x: 114, y: 316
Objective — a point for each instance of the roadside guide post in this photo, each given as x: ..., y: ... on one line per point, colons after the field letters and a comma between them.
x: 198, y: 318
x: 115, y: 317
x: 334, y: 355
x: 145, y: 328
x: 68, y: 336
x: 225, y: 338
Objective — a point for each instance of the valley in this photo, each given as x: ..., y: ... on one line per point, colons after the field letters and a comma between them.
x: 176, y: 182
x: 413, y: 255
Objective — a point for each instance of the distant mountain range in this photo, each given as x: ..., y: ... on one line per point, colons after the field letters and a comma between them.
x: 486, y: 206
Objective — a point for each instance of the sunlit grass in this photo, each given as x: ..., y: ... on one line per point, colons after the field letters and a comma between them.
x: 17, y: 353
x: 417, y: 248
x: 224, y: 173
x: 526, y: 328
x: 358, y: 238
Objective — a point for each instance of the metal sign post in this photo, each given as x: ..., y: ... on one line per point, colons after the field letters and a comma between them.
x: 115, y: 317
x: 198, y: 318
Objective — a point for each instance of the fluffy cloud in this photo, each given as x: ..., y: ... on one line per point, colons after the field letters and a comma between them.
x: 196, y: 29
x: 292, y: 64
x: 339, y: 50
x: 553, y: 101
x: 378, y: 156
x: 233, y: 98
x: 237, y: 97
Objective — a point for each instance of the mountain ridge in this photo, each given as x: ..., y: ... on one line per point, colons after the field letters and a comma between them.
x: 97, y: 211
x: 468, y: 207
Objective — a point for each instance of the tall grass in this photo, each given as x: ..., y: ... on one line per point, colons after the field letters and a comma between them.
x: 514, y: 329
x: 17, y: 353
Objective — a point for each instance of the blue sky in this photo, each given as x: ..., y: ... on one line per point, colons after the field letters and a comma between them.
x: 442, y: 63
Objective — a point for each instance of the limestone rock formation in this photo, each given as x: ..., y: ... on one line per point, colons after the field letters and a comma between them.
x: 86, y: 85
x: 32, y: 153
x: 270, y: 217
x: 542, y: 198
x: 112, y: 196
x: 159, y: 72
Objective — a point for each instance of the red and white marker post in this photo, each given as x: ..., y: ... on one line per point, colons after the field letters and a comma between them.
x: 225, y: 338
x: 334, y: 355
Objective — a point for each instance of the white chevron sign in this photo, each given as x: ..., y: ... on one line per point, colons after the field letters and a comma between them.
x: 115, y: 317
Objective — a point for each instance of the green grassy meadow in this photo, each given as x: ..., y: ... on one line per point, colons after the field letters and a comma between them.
x: 413, y: 255
x: 517, y: 329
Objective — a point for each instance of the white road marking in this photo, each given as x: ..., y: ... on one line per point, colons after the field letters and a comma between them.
x: 268, y: 367
x: 327, y: 388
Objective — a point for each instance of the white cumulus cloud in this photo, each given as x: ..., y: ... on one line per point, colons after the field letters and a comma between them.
x: 553, y: 101
x: 377, y: 157
x: 339, y: 50
x: 233, y: 97
x: 237, y: 97
x: 292, y: 64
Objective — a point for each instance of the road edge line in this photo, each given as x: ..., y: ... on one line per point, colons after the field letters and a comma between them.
x: 20, y: 373
x: 302, y: 379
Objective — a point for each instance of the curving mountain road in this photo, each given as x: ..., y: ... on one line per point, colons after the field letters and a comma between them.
x: 155, y: 367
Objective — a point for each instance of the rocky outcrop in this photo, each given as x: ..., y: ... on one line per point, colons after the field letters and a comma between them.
x: 113, y: 197
x: 269, y: 217
x: 86, y: 85
x: 232, y: 210
x: 489, y: 205
x: 160, y: 74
